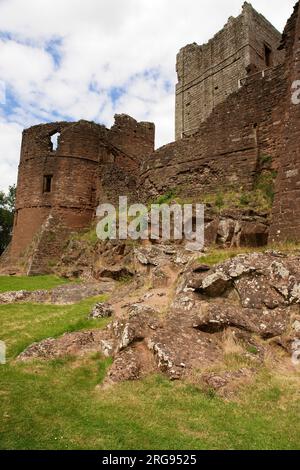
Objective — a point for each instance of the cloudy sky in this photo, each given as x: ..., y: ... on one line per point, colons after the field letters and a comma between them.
x: 75, y: 59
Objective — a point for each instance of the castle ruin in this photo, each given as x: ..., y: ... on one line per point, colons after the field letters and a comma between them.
x: 208, y: 74
x: 234, y: 110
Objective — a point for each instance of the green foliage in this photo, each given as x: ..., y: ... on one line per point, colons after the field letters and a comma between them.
x: 89, y: 236
x: 265, y: 160
x: 7, y: 207
x: 219, y: 255
x: 166, y: 198
x: 245, y: 199
x: 219, y: 200
x: 265, y: 184
x: 252, y: 349
x: 7, y: 201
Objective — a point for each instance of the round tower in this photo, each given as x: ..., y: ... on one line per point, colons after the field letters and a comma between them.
x: 57, y: 179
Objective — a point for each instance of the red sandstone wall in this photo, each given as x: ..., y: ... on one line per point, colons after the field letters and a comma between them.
x: 90, y: 164
x: 286, y: 210
x: 134, y: 139
x: 225, y: 153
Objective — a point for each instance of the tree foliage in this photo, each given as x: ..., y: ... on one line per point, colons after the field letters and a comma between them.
x: 7, y: 209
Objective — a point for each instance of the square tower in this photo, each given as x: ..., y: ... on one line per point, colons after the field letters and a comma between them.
x: 209, y: 73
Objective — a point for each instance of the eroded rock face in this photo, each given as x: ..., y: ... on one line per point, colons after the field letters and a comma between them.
x: 114, y: 272
x: 261, y: 280
x: 77, y: 343
x: 236, y: 228
x: 253, y: 298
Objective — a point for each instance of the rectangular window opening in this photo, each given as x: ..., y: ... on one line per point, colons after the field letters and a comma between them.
x: 268, y: 56
x: 47, y: 186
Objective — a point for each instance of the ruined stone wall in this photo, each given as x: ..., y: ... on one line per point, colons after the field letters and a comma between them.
x: 72, y: 169
x: 242, y: 127
x: 89, y: 163
x: 225, y: 153
x: 134, y: 139
x: 286, y: 211
x: 208, y: 74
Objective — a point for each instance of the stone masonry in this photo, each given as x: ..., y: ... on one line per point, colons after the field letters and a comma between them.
x: 247, y: 86
x: 59, y: 189
x: 208, y: 74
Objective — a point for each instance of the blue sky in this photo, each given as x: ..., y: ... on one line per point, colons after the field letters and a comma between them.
x: 70, y: 60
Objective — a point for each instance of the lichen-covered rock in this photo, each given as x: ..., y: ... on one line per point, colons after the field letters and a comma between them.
x: 61, y: 295
x: 77, y: 343
x: 215, y: 284
x: 101, y: 310
x: 17, y: 296
x: 252, y: 298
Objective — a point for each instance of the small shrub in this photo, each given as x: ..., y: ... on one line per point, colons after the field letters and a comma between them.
x: 265, y: 160
x: 219, y: 200
x: 165, y: 198
x: 245, y: 199
x: 265, y: 184
x: 252, y: 349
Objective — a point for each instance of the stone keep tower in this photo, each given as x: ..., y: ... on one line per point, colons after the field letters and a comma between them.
x: 65, y: 170
x: 208, y: 74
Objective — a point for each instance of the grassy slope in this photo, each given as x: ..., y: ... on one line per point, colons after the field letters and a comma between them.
x: 218, y: 255
x: 55, y: 405
x: 13, y: 283
x: 24, y: 324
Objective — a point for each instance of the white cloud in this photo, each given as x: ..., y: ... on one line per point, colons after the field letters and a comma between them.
x: 10, y: 142
x: 62, y: 58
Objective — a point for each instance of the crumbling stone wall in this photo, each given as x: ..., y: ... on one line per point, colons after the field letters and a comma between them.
x: 226, y: 151
x: 59, y: 190
x: 66, y: 185
x: 208, y: 74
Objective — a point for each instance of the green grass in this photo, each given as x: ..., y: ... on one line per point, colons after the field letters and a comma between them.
x: 56, y: 404
x: 24, y: 324
x: 30, y: 283
x: 260, y: 199
x: 217, y: 255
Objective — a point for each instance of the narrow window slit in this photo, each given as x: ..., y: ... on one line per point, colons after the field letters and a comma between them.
x: 47, y: 185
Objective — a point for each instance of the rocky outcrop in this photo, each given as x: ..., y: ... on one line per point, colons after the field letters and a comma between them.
x: 252, y: 299
x: 62, y: 295
x: 236, y: 228
x: 78, y: 343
